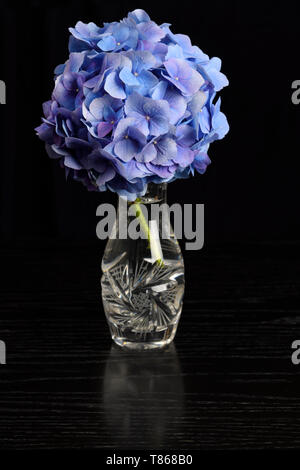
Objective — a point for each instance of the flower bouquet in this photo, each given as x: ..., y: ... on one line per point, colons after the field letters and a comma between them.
x: 133, y: 108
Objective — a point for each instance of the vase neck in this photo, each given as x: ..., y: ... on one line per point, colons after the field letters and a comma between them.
x: 155, y: 193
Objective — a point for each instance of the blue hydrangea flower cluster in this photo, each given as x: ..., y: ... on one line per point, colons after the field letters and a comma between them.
x: 133, y: 104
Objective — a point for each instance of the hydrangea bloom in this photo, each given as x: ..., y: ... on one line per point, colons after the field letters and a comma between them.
x: 134, y: 103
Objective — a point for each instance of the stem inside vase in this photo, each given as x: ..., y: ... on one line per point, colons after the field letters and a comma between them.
x: 151, y: 232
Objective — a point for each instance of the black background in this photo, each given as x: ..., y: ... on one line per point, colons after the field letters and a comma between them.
x: 250, y: 190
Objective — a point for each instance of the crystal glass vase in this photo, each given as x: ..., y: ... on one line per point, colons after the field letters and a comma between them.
x: 143, y: 273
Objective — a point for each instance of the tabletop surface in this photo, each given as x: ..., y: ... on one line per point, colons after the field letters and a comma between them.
x: 227, y: 381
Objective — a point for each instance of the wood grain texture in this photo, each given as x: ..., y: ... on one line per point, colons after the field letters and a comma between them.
x: 226, y: 383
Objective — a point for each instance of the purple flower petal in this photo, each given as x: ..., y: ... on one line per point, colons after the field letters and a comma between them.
x: 147, y: 79
x: 185, y: 135
x: 75, y: 62
x: 130, y: 170
x: 158, y: 113
x: 184, y: 77
x: 126, y: 149
x: 148, y: 153
x: 212, y: 69
x: 71, y: 162
x: 107, y: 175
x: 162, y: 171
x: 201, y: 162
x: 177, y: 105
x: 197, y: 102
x: 139, y: 16
x: 123, y: 126
x: 104, y: 128
x: 150, y: 31
x: 167, y: 146
x: 184, y: 157
x: 134, y: 104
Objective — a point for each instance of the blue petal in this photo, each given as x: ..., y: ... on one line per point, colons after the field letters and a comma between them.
x: 177, y: 105
x: 123, y: 126
x: 184, y: 157
x: 197, y: 102
x: 121, y: 32
x: 128, y: 78
x: 158, y: 125
x: 218, y: 79
x: 137, y: 135
x: 148, y: 153
x: 167, y: 147
x: 159, y: 91
x: 220, y: 125
x: 175, y: 52
x: 109, y: 114
x: 155, y: 108
x: 108, y: 43
x: 106, y: 176
x: 75, y: 61
x: 97, y: 108
x: 147, y: 79
x: 201, y: 161
x: 130, y: 170
x: 185, y: 135
x: 70, y: 162
x: 134, y: 104
x: 113, y: 86
x: 150, y: 31
x: 125, y: 149
x: 204, y: 121
x: 139, y: 15
x: 76, y: 45
x: 59, y: 69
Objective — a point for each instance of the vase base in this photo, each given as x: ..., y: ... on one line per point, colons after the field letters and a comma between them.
x: 143, y: 342
x: 141, y: 346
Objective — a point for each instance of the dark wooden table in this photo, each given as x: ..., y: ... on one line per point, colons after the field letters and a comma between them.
x: 227, y: 382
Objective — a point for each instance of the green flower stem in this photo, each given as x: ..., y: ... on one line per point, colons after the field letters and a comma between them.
x: 146, y: 229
